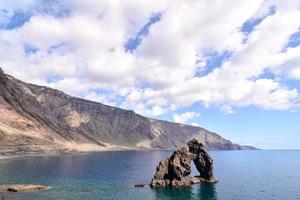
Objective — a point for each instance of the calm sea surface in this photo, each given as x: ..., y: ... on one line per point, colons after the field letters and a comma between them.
x: 244, y: 175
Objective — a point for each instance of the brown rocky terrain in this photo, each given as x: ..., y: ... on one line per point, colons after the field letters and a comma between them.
x: 41, y: 120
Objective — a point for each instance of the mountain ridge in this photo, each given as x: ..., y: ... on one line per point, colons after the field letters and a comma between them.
x: 39, y: 119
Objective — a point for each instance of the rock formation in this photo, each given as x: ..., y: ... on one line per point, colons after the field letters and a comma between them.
x: 203, y: 161
x: 175, y: 170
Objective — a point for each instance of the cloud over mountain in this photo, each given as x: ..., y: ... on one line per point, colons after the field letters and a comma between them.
x: 158, y: 57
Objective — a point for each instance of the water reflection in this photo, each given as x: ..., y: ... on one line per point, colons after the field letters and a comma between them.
x: 197, y: 192
x: 207, y: 192
x: 173, y: 193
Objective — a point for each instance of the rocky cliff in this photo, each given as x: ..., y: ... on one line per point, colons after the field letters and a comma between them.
x: 37, y: 119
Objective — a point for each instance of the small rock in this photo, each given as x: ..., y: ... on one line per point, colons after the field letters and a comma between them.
x: 140, y: 185
x: 11, y: 190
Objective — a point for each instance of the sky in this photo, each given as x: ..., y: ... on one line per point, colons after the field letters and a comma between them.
x: 230, y: 66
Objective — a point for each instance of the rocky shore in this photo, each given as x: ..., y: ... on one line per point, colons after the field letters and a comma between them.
x: 22, y: 188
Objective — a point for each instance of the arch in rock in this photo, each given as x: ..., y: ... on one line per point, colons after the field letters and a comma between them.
x: 202, y: 161
x: 176, y: 169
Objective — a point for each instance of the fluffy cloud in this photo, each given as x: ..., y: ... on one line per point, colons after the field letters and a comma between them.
x: 185, y: 117
x: 80, y: 48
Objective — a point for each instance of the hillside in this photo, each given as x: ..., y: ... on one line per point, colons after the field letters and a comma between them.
x: 38, y: 120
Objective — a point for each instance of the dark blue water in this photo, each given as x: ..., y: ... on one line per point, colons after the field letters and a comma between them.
x: 244, y: 175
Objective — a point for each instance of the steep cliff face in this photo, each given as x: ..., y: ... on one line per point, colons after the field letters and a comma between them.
x: 40, y: 120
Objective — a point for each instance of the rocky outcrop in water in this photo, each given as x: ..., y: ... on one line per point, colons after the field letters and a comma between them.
x: 203, y: 161
x: 22, y: 188
x: 175, y: 170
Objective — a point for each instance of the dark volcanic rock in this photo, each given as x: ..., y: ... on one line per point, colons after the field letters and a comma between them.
x: 141, y: 185
x: 175, y: 170
x: 195, y: 147
x: 203, y: 161
x: 180, y: 164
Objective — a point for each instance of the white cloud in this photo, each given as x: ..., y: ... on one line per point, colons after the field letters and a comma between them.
x: 295, y: 73
x: 105, y: 99
x: 86, y: 51
x: 185, y: 117
x: 195, y: 124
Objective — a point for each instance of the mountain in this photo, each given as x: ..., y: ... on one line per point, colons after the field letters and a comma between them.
x: 38, y: 120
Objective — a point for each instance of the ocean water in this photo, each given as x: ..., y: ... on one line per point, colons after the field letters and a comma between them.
x: 244, y: 175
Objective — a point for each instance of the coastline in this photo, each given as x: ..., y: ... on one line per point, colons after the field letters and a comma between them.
x: 73, y: 152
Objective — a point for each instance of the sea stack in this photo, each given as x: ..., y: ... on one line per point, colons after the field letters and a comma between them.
x: 175, y: 170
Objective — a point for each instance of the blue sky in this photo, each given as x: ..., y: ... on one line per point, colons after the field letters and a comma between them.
x: 266, y: 129
x: 233, y: 70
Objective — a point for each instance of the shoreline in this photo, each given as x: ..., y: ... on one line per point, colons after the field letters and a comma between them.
x: 72, y: 152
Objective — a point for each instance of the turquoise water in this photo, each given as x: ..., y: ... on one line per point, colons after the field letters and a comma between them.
x: 244, y: 175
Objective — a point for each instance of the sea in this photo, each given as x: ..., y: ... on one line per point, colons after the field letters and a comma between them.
x: 243, y: 175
